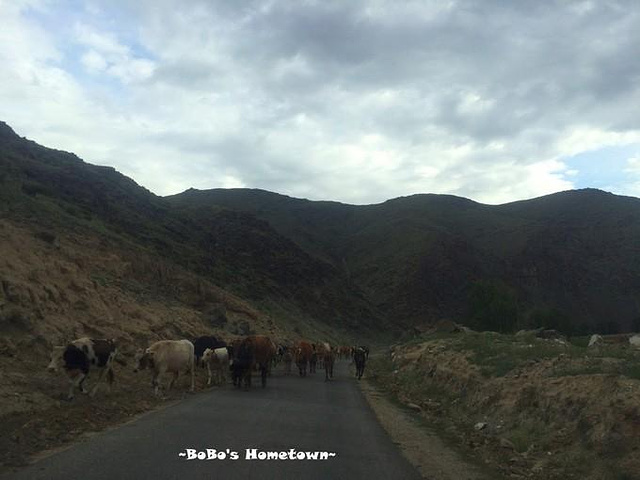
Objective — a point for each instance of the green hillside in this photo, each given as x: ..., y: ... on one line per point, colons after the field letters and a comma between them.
x: 568, y: 260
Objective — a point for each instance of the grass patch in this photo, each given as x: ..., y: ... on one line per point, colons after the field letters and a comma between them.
x: 582, y: 342
x: 632, y: 370
x: 497, y: 354
x: 528, y: 433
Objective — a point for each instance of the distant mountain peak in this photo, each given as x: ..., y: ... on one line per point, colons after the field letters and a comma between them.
x: 6, y: 131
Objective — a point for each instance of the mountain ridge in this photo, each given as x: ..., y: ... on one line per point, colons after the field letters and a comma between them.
x: 569, y: 258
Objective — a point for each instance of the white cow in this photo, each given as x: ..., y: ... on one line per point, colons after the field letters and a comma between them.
x: 79, y: 356
x: 167, y: 356
x: 218, y: 361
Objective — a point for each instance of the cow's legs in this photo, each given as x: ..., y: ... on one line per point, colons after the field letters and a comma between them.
x: 263, y: 372
x: 193, y: 377
x: 80, y: 383
x: 155, y: 382
x: 76, y: 382
x: 71, y: 387
x: 110, y: 379
x: 173, y: 380
x: 209, y: 372
x: 95, y: 387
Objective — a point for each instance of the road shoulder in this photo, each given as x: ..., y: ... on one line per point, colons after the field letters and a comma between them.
x: 424, y: 449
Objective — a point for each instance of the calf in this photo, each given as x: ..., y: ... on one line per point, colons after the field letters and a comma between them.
x: 77, y: 358
x: 360, y: 358
x: 200, y: 344
x: 167, y: 356
x: 218, y: 361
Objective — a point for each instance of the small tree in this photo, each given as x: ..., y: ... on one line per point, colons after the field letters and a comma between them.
x: 554, y: 319
x: 493, y: 305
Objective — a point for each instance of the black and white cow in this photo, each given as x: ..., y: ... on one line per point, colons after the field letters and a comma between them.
x: 79, y: 356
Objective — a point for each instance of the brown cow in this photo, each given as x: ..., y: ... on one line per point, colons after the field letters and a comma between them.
x: 264, y: 350
x: 303, y: 351
x: 345, y: 352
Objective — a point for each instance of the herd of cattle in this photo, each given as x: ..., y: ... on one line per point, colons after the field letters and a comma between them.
x: 171, y: 357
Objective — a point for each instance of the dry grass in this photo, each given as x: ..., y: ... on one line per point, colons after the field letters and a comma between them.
x: 551, y: 411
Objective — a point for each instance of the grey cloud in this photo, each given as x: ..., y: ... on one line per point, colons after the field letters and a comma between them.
x: 535, y: 60
x: 232, y: 76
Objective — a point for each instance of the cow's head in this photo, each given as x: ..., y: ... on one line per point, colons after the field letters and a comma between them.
x: 56, y: 361
x: 143, y: 359
x: 206, y: 356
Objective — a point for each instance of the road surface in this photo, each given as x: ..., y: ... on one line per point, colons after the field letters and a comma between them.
x: 304, y: 414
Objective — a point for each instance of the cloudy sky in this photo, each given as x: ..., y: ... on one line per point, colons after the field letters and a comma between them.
x: 357, y: 101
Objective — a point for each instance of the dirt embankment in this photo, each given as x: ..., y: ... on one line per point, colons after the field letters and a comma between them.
x: 55, y: 288
x: 530, y: 408
x: 434, y: 458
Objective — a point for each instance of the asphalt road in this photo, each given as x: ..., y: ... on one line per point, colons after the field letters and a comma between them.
x: 305, y: 414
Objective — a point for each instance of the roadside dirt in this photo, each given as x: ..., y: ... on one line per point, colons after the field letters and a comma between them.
x: 423, y: 448
x: 528, y: 410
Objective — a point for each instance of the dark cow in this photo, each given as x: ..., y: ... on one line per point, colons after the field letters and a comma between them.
x: 264, y: 350
x: 78, y: 357
x: 366, y: 351
x: 278, y: 357
x: 200, y: 344
x: 287, y: 358
x: 253, y: 351
x: 242, y: 362
x: 303, y: 351
x: 313, y: 362
x: 360, y: 358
